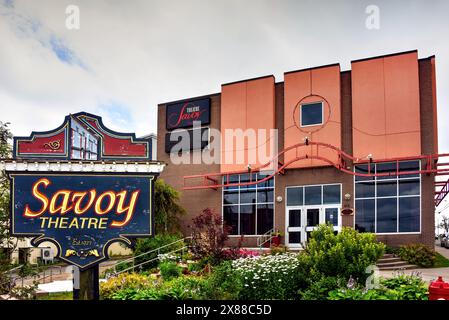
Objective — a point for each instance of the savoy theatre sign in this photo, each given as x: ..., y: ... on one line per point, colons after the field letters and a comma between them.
x: 82, y: 186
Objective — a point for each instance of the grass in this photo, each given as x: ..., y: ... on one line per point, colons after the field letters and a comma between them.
x: 57, y: 296
x: 441, y: 261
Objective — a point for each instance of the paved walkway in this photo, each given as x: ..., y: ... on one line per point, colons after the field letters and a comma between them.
x: 59, y: 276
x: 56, y: 286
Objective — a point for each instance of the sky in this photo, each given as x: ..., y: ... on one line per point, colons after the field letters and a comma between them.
x: 128, y: 56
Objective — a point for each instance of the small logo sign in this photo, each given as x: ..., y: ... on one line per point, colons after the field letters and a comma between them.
x: 182, y: 115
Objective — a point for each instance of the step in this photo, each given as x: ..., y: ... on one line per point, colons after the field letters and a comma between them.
x: 388, y: 255
x: 382, y: 260
x: 404, y: 267
x: 393, y: 263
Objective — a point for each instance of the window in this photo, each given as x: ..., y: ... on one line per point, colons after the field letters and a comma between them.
x: 84, y: 145
x: 332, y: 216
x: 314, y: 195
x: 391, y: 203
x: 249, y: 210
x: 311, y: 114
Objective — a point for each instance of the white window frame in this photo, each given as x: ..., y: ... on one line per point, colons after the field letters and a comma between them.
x: 397, y: 179
x: 255, y: 188
x: 309, y: 103
x: 322, y: 207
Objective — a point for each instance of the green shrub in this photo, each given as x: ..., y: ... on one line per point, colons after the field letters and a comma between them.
x: 278, y: 249
x: 319, y: 290
x: 401, y: 287
x: 148, y: 244
x: 405, y: 287
x: 182, y: 288
x: 222, y: 283
x: 122, y: 282
x: 355, y: 294
x: 169, y: 270
x: 392, y: 250
x: 345, y: 254
x: 194, y: 267
x: 418, y: 254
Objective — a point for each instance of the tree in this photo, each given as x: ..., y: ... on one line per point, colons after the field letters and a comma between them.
x: 445, y: 224
x: 6, y: 242
x: 209, y: 235
x: 167, y: 209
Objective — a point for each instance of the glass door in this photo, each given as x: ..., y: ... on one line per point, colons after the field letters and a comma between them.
x: 295, y: 230
x: 313, y: 219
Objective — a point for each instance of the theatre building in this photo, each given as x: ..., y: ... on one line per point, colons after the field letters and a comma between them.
x: 356, y: 148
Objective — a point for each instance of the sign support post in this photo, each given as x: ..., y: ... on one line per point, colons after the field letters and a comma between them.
x: 76, y: 282
x: 89, y: 284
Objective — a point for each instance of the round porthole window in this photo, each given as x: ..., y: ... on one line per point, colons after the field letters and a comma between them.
x: 311, y: 113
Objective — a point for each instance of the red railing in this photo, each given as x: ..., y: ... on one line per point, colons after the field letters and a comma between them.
x: 345, y: 163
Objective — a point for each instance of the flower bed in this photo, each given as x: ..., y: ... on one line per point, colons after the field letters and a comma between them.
x: 268, y: 277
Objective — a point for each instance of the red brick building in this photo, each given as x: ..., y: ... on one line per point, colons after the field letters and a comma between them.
x: 345, y: 139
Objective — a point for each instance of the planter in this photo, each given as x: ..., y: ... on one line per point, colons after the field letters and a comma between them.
x: 276, y: 241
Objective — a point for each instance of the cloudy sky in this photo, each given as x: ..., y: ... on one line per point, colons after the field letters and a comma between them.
x: 128, y: 56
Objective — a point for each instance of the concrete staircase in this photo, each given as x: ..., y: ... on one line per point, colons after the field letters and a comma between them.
x: 391, y: 262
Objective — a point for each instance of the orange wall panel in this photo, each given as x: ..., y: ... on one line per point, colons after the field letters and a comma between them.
x: 385, y: 107
x: 312, y: 85
x: 434, y: 100
x: 247, y: 105
x: 401, y: 93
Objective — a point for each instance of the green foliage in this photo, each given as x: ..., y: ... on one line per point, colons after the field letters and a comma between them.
x: 182, y: 288
x: 418, y: 254
x: 440, y: 261
x: 319, y: 290
x: 27, y: 269
x: 194, y: 267
x: 355, y: 294
x: 345, y: 254
x: 124, y: 281
x: 56, y: 296
x: 169, y: 270
x: 5, y: 237
x: 166, y: 207
x: 405, y: 287
x: 26, y: 292
x: 148, y: 244
x: 222, y: 283
x: 401, y: 287
x: 392, y: 250
x: 278, y: 249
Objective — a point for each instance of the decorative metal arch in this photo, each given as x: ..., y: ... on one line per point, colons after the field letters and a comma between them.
x: 345, y: 163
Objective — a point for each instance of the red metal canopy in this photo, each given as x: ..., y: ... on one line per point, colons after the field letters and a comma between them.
x: 430, y: 164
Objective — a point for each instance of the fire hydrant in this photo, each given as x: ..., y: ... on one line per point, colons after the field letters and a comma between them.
x: 439, y: 290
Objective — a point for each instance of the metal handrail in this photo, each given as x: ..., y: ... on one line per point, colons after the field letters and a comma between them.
x: 266, y: 237
x: 132, y: 259
x: 148, y: 261
x: 41, y: 276
x: 12, y: 269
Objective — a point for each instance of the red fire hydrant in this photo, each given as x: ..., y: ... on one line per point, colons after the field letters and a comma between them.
x: 439, y: 290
